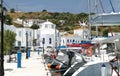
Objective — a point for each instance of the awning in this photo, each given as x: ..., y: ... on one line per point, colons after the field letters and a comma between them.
x: 106, y: 19
x: 79, y: 45
x: 86, y: 45
x: 106, y: 39
x: 61, y: 47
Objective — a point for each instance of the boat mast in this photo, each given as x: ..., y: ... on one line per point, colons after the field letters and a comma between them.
x: 89, y: 10
x: 96, y: 12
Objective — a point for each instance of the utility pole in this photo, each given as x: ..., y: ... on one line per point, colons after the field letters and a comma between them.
x: 55, y: 38
x: 43, y: 42
x: 2, y: 41
x: 26, y: 45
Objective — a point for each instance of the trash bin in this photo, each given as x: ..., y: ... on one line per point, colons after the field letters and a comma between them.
x: 28, y: 52
x: 18, y: 59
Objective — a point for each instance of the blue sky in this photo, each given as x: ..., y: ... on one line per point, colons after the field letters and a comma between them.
x: 72, y: 6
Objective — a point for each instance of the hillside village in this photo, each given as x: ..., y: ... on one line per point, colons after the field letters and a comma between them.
x: 47, y: 31
x: 44, y: 43
x: 65, y: 21
x: 58, y: 31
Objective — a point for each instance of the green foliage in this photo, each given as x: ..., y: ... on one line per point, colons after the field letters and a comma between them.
x: 34, y: 26
x: 22, y: 17
x: 105, y: 32
x: 9, y: 40
x: 44, y: 10
x: 18, y: 25
x: 8, y: 20
x: 69, y: 19
x: 67, y: 29
x: 12, y: 10
x: 82, y: 16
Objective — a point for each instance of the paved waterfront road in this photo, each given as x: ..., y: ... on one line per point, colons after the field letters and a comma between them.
x: 30, y: 67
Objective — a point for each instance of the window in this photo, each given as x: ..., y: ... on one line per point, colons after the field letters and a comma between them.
x: 27, y: 32
x: 20, y: 33
x: 63, y: 41
x: 46, y: 26
x: 52, y: 26
x: 30, y: 34
x: 38, y: 36
x: 43, y: 41
x: 73, y: 40
x: 67, y: 40
x: 50, y: 40
x: 19, y: 43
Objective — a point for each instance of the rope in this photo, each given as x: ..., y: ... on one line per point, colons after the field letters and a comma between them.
x: 112, y: 5
x: 102, y: 6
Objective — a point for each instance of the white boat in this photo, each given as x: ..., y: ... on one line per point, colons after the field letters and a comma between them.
x: 95, y: 64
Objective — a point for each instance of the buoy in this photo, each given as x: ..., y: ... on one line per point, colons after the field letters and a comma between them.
x: 57, y: 67
x: 49, y: 66
x: 89, y: 52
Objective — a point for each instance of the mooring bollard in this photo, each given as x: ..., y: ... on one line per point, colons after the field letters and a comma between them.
x: 38, y: 51
x: 28, y: 52
x: 18, y: 59
x: 103, y: 70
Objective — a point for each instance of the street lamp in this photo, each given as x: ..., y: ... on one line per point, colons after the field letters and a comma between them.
x: 2, y: 39
x: 26, y: 45
x: 43, y: 42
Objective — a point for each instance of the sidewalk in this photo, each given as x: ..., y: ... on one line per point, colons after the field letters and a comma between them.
x: 34, y: 66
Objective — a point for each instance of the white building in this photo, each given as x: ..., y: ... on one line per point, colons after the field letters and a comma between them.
x: 70, y: 39
x: 22, y: 35
x: 46, y: 36
x: 47, y: 33
x: 82, y: 32
x: 28, y: 22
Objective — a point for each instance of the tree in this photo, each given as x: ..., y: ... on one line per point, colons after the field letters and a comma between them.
x: 9, y: 40
x: 8, y: 20
x: 44, y: 10
x: 12, y: 10
x: 105, y: 32
x: 67, y: 29
x: 34, y: 26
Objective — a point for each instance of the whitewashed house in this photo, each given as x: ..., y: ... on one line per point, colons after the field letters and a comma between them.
x: 82, y: 32
x: 28, y: 22
x: 46, y: 36
x: 72, y: 38
x: 21, y: 36
x: 24, y: 36
x: 49, y: 35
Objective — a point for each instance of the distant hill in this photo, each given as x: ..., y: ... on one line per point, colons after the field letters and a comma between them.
x: 65, y: 21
